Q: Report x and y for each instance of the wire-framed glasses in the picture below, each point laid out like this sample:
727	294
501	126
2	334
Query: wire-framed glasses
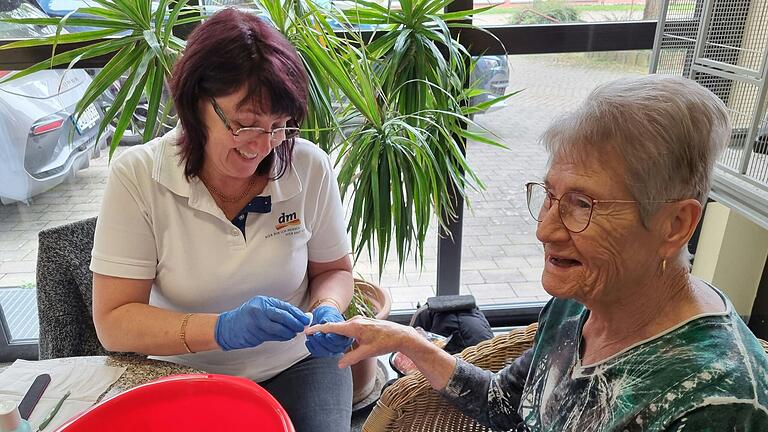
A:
574	208
247	134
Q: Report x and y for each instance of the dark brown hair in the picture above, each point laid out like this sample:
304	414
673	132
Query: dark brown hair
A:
229	51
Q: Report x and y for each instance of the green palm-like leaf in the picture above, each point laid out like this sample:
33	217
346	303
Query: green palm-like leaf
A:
85	52
111	72
73	21
154	97
143	54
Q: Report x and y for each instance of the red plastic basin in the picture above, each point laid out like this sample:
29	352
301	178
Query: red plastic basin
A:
198	402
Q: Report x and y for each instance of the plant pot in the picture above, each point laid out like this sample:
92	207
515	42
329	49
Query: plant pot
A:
364	372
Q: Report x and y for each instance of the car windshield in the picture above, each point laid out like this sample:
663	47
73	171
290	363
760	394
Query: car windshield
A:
23	31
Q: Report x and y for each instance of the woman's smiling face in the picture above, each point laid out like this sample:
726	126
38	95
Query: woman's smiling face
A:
227	157
614	254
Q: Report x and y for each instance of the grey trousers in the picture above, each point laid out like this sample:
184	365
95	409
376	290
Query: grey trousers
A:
316	394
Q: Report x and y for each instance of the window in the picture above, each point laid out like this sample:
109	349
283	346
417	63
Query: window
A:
77	193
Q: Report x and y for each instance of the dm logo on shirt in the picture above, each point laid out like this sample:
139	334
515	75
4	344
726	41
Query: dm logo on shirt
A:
286	220
288	224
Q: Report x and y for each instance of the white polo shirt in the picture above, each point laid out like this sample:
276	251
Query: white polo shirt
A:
154	224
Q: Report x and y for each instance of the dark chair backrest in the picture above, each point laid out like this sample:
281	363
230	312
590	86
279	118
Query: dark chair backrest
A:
64	291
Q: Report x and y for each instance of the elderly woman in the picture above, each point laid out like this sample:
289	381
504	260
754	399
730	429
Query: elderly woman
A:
631	341
214	239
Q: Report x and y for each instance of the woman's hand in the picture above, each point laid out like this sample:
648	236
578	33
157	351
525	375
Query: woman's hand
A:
326	345
376	337
259	320
373	337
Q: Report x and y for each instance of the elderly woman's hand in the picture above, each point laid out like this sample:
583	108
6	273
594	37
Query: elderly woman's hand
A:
373	337
259	320
326	345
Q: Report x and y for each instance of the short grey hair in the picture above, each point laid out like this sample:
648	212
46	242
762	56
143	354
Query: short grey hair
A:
669	131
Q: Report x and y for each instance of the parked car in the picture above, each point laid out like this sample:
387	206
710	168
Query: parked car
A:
491	74
41	142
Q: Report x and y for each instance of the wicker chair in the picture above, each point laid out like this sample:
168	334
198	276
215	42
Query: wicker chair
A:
411	405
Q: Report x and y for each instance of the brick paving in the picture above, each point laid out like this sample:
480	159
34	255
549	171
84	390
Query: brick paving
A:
501	258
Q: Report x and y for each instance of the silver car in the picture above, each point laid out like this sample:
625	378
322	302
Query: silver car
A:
41	142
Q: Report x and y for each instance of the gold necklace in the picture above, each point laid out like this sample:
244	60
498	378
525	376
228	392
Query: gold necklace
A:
230	199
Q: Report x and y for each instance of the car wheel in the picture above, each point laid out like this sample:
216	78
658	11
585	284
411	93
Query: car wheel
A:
134	133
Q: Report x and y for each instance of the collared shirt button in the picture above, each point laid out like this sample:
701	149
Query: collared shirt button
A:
235	232
241	217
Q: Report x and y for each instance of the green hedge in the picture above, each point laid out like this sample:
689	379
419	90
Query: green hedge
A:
545	12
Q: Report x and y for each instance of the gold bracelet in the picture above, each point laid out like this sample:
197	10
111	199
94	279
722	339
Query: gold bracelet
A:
183	332
328	300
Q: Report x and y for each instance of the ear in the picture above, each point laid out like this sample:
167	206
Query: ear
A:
202	105
679	220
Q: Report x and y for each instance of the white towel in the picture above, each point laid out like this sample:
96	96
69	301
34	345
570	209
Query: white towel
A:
85	379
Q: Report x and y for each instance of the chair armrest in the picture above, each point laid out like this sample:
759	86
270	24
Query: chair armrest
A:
410	404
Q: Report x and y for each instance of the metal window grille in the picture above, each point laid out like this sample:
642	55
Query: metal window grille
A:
735	36
723	45
675	46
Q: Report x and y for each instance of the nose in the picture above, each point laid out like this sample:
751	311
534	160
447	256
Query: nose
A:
551	228
261	144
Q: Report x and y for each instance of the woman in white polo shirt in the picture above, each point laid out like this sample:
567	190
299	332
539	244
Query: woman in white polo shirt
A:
213	239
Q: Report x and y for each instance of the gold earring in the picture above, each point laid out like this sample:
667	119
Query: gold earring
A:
663	265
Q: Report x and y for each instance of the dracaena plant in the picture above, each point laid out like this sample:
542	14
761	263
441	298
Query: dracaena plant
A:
139	34
407	94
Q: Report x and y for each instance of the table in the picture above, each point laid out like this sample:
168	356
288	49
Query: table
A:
138	370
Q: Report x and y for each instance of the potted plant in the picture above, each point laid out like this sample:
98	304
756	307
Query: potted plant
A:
371	301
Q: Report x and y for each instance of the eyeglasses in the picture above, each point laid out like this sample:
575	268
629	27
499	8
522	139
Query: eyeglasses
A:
574	208
247	134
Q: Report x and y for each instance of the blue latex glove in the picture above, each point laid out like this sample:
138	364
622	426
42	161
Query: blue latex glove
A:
326	345
259	320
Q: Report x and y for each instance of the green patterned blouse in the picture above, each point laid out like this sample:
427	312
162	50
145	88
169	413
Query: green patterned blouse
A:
706	374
